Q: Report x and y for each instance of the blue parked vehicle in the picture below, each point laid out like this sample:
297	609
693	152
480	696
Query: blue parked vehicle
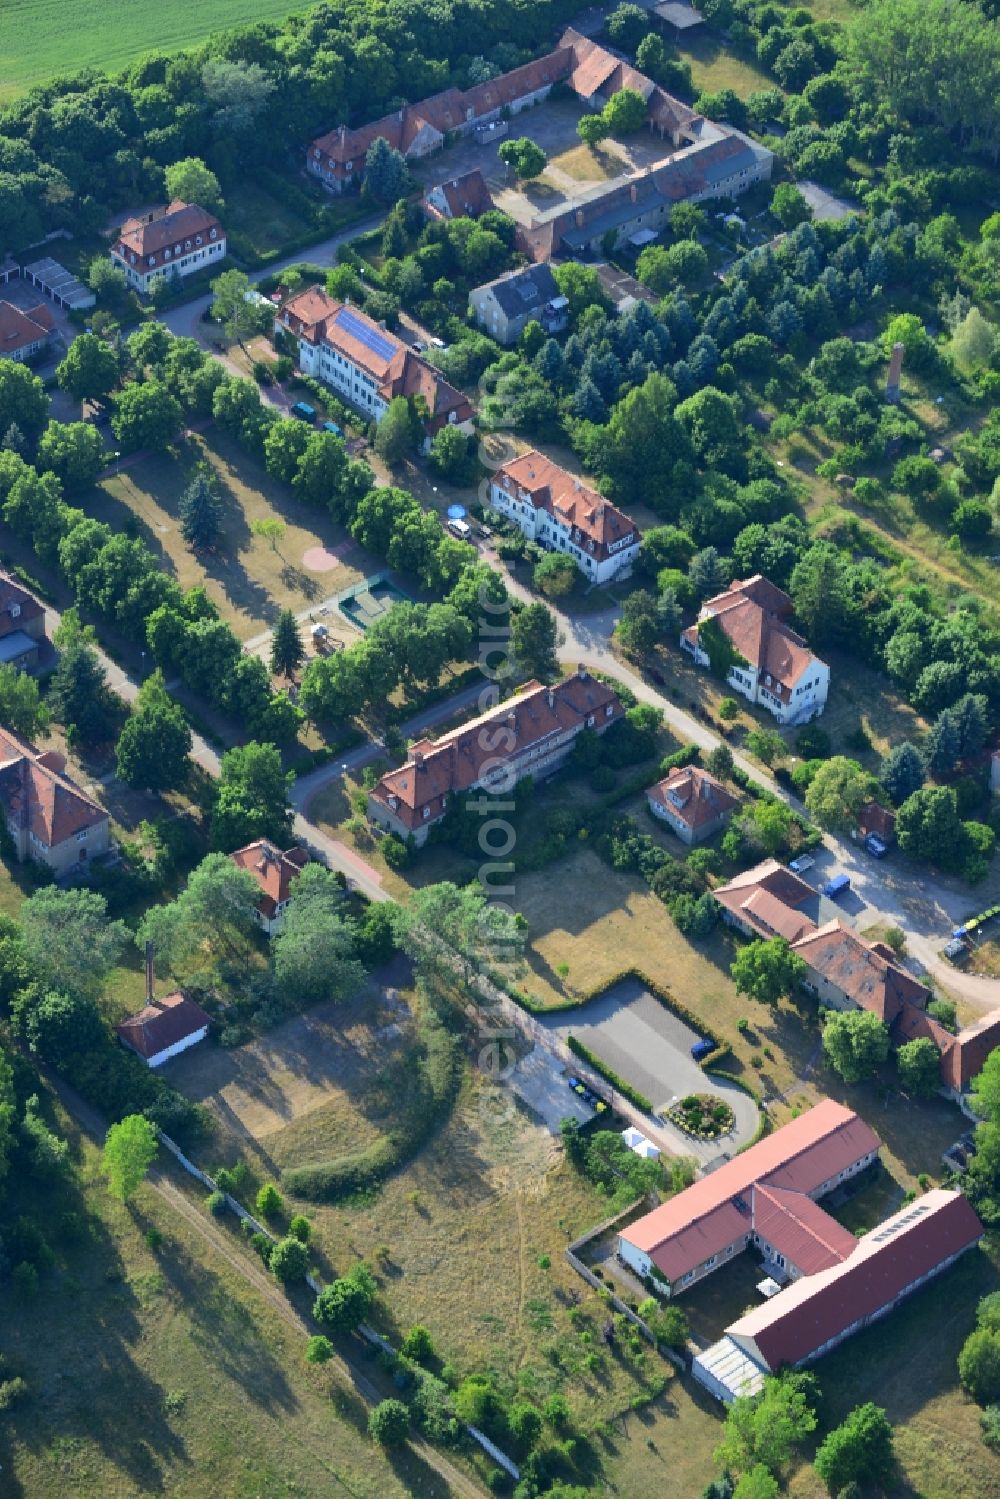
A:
836	886
332	427
701	1049
874	845
304	411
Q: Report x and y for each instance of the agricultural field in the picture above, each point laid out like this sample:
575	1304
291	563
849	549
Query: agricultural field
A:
161	1371
250	578
43	39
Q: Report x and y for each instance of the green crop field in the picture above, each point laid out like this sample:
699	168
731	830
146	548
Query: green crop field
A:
43	38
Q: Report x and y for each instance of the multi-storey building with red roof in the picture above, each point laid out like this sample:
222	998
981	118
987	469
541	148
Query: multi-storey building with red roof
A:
47	815
528	735
365	364
174	240
773	665
561	512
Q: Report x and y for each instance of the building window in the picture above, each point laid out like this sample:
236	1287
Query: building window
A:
81	835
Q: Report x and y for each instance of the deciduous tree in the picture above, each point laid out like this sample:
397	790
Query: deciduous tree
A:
855	1043
767	969
314	950
89	369
192	181
838	791
68	941
129	1151
859	1450
155	741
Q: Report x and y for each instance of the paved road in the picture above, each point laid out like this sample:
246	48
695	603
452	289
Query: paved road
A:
651	1048
127	687
185	321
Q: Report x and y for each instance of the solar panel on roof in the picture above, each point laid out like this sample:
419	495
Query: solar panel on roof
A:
373	338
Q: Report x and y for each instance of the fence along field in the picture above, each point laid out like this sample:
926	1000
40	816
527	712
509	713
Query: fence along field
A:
43	39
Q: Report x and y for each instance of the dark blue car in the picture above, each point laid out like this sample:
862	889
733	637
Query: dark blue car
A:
701	1049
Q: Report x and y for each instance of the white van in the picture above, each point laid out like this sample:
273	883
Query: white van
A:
461	529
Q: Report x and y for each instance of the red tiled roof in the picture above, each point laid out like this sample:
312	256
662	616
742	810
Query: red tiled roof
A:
908	1246
162	1024
693	795
19	329
178	222
800	1157
467	197
454	763
967	1056
40	797
766	897
751	614
860	970
878	820
567	499
13	596
799	1229
274	871
318	318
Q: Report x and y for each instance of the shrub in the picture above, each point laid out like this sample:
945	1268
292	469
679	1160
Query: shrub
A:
418	1345
289	1260
728	709
389	1423
153	1238
215	1202
319	1350
300	1228
11	1391
269	1201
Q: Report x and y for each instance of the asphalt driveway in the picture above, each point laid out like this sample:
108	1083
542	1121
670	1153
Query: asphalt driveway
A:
650	1048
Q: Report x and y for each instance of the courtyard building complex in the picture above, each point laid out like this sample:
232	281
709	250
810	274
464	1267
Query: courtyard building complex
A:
705	160
365	365
529	735
772	665
556	509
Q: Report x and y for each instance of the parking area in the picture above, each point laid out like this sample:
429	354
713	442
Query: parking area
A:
541	1082
650	1047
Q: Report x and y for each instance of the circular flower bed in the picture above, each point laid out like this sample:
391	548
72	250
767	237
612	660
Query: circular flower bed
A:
703	1116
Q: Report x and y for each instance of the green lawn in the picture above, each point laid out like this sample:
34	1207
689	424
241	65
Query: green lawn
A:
45	38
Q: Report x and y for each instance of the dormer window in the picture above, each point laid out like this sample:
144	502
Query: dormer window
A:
15	611
131	260
166	254
197	239
609	710
213	233
426	813
317	155
590	721
152	260
187	244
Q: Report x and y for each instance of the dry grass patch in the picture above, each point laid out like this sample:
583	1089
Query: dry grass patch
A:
164	1372
587	163
715	67
249	579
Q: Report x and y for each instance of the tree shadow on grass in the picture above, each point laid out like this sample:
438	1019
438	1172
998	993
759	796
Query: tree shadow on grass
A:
73	1345
227	1332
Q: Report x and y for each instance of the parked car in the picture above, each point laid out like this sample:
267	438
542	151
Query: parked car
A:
418	346
836	886
874	845
701	1049
303	411
332	427
461	529
802	863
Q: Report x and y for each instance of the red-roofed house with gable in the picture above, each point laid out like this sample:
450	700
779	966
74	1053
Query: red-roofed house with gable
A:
766	1196
164	1028
692	803
777	669
365	364
24	334
529	734
22	625
47	815
175	240
275	873
556	509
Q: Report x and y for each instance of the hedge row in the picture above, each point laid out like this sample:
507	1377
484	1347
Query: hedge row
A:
609	1075
438	1074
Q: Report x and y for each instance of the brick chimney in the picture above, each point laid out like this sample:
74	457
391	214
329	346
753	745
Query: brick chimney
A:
149	973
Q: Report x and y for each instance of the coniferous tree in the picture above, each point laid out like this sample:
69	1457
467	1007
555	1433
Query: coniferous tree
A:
287	651
199	512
